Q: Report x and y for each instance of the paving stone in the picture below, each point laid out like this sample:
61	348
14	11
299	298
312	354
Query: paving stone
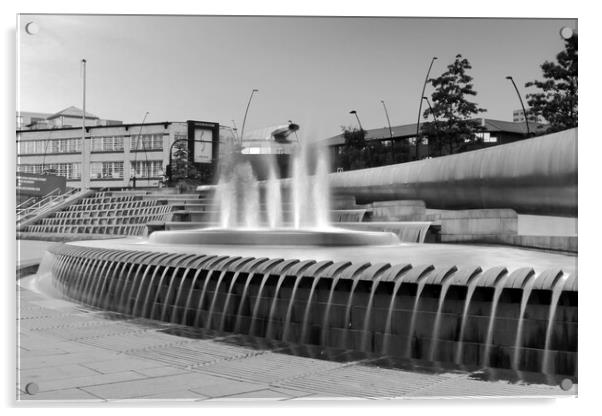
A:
156	385
137	362
181	395
96	380
46	374
118	364
261	395
228	387
163	370
63	359
66	395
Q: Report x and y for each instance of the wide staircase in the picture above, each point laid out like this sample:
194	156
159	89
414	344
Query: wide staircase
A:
108	214
101	214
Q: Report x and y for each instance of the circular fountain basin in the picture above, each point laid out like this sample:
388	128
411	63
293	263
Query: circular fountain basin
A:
275	237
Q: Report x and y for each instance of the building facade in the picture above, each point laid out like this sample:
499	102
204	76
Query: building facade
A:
68	117
400	141
519	117
113	155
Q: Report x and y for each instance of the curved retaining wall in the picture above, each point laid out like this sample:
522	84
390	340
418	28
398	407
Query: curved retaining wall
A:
537	176
468	316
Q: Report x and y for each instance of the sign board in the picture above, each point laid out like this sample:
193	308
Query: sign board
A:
34	184
203	146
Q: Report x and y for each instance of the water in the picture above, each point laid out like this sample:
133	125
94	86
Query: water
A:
271	316
289	310
243	298
273	197
519	330
243	202
305	323
398	281
437	324
199	308
460	347
257	303
326	322
412	325
557	291
213	300
376	280
492	313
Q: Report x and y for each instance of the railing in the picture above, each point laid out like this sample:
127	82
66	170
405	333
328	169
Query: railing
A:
27	203
48	197
48	202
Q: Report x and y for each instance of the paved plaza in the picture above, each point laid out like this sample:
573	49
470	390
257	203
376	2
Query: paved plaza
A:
77	354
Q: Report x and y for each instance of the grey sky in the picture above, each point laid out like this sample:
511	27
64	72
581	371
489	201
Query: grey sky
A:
311	70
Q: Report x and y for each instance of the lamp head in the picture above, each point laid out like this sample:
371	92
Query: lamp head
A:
353	112
509	77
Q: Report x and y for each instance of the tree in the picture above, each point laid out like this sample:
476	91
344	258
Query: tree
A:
557	101
352	156
456	126
183	171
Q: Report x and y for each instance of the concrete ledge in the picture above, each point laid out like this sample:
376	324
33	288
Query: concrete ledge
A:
560	243
479	222
554	243
403	210
64	237
27	268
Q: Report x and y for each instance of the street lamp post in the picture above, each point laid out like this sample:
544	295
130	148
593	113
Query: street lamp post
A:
235	130
388	121
242	132
521	104
357	117
420	105
434	117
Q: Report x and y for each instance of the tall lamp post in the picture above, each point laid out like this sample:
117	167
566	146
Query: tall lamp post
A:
235	130
434	115
420	105
388	121
242	131
358	119
521	104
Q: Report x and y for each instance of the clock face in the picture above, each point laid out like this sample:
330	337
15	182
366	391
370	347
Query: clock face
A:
566	32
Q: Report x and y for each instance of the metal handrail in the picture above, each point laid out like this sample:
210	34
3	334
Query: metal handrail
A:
41	202
28	202
46	203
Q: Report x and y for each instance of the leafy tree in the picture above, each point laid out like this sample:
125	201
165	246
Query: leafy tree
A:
183	171
456	126
352	154
557	101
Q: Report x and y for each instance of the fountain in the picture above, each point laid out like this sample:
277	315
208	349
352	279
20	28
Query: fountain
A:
276	268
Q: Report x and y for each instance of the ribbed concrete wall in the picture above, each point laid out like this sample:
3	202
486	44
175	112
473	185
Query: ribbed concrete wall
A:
537	176
423	312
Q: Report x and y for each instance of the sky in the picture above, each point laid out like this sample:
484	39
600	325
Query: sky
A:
312	70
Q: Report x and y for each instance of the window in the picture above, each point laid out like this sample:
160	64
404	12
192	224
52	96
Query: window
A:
487	137
71	171
107	144
146	142
50	146
144	169
106	170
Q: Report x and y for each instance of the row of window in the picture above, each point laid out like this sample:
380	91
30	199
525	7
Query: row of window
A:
99	144
49	146
68	170
98	170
